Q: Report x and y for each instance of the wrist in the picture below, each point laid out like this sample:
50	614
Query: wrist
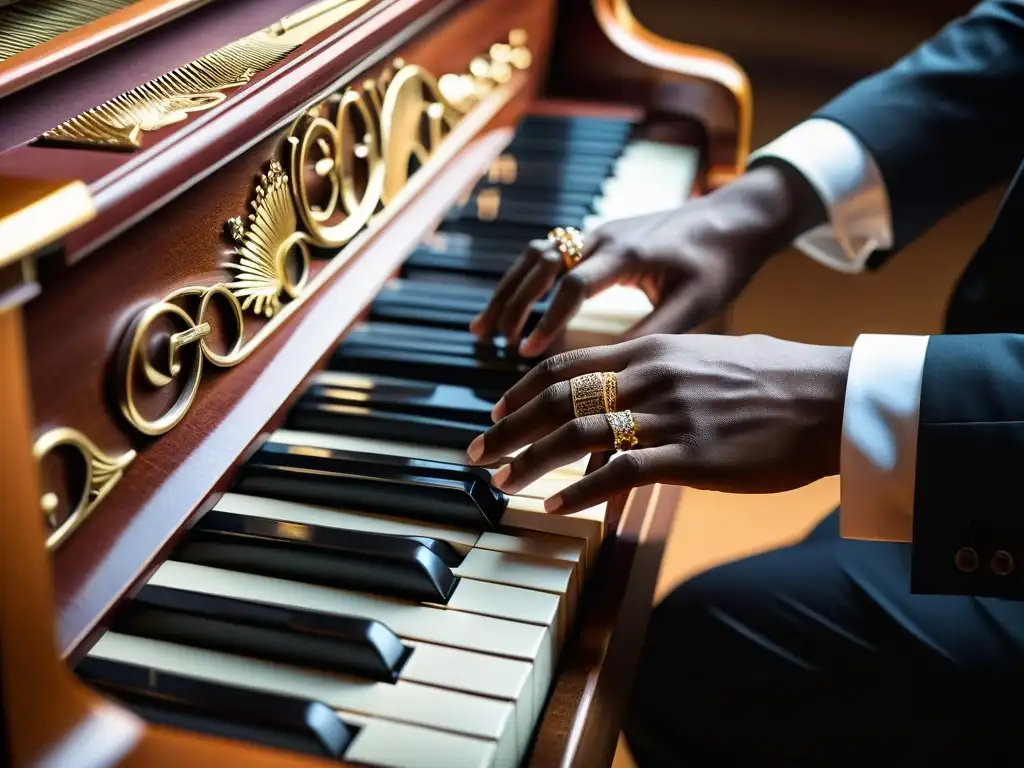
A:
779	203
827	399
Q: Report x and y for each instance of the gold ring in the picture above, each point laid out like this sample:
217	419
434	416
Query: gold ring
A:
611	392
569	243
587	394
623	429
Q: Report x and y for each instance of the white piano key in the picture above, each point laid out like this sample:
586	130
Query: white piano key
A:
532	643
402	701
512	603
388	744
475	673
552	576
529	515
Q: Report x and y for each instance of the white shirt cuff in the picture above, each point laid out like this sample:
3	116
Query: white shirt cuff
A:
879	453
848	181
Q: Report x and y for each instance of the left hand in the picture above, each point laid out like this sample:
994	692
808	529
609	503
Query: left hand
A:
741	414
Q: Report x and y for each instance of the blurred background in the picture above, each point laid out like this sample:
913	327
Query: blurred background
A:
798	55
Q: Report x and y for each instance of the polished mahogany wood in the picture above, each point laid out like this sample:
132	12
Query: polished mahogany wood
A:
603	52
70	48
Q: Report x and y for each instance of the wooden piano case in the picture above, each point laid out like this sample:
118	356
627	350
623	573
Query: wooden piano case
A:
119	261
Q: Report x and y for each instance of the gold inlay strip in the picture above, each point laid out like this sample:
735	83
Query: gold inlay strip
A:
29	23
122	122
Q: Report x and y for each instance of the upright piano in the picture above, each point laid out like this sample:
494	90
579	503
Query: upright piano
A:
240	244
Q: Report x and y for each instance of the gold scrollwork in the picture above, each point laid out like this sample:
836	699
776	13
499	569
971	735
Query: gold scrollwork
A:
347	159
102	473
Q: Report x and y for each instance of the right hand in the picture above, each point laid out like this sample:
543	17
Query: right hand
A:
691	262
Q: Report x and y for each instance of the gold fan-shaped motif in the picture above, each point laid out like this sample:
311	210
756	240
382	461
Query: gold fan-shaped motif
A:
262	272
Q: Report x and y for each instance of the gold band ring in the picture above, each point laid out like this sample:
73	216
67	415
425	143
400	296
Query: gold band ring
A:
569	243
593	393
623	429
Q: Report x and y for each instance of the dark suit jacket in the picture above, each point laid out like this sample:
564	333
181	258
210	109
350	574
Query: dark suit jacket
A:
945	124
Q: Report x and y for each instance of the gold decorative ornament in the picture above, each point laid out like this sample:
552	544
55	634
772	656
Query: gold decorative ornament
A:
101	474
122	122
361	145
265	246
587	394
569	242
623	426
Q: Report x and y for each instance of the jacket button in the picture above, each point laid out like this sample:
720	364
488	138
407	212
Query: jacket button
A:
1001	563
966	560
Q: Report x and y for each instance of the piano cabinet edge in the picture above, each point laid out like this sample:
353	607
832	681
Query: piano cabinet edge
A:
584	713
70	48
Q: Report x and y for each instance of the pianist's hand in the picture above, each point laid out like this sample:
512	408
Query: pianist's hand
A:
741	414
691	262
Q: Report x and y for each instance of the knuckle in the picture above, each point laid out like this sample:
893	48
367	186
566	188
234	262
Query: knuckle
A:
632	465
574	283
554	397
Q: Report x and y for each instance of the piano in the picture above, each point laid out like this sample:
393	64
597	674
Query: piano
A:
240	243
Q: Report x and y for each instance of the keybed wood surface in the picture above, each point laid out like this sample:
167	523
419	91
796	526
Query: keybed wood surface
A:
58	350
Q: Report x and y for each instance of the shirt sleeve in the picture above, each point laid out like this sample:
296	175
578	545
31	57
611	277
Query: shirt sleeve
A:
878	459
850	185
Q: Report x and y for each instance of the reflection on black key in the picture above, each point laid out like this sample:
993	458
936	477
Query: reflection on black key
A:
433	491
441	401
490	376
343	644
283	722
313	414
333	557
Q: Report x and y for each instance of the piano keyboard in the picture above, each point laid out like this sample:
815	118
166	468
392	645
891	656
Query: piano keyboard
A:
361	593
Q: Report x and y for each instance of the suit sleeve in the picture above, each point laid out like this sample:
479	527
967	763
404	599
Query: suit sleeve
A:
968	523
942	124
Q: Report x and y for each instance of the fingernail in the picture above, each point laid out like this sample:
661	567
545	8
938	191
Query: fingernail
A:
476	448
529	346
553	504
475	322
498	411
501	476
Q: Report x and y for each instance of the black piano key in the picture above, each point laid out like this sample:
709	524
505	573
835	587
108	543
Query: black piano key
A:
313	415
313	554
491	377
269	719
432	491
521	212
512	233
419	398
561	125
439	341
342	644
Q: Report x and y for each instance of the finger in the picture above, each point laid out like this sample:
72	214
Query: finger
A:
583	281
679	312
541	416
485	323
571	441
632	469
615	357
532	286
